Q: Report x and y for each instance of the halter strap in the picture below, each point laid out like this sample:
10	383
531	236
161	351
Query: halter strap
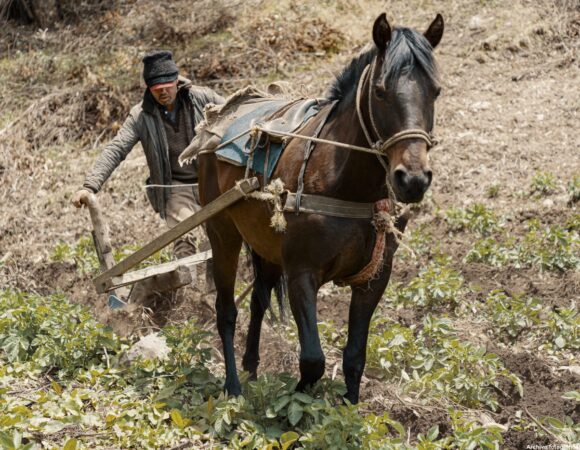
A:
383	145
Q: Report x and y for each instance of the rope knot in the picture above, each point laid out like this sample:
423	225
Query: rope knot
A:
383	221
255	130
273	194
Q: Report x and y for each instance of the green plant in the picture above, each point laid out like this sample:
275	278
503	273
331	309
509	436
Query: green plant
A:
493	190
513	316
84	255
564	328
566	431
543	184
574	189
417	242
469	434
436	286
433	361
54	333
497	254
549	248
477	218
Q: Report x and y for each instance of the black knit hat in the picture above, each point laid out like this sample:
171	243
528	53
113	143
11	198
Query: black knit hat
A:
159	67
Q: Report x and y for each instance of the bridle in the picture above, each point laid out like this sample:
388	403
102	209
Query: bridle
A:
382	145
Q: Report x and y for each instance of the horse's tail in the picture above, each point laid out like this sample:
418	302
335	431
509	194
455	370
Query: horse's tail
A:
263	285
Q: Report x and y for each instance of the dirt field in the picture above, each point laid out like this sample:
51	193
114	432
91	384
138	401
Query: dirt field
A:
507	124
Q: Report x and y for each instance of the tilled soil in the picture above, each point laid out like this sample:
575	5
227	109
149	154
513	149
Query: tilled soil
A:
509	110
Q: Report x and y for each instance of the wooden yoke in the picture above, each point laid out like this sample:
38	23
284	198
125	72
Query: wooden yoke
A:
111	277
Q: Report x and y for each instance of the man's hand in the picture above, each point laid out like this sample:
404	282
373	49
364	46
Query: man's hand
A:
80	197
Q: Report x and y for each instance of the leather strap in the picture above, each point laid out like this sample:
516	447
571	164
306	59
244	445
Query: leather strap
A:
329	206
307	152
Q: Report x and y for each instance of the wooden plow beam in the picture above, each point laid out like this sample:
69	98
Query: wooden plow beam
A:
116	275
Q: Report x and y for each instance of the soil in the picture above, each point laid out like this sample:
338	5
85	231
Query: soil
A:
509	110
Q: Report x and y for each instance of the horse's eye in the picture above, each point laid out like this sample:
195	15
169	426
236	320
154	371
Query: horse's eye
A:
380	92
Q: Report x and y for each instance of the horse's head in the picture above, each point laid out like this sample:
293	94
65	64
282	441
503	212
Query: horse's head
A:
402	92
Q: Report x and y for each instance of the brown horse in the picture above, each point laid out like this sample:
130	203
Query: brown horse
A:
398	95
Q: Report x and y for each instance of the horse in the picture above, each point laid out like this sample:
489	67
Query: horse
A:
385	95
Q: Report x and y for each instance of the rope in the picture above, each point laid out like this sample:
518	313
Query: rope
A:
147	186
358	108
273	194
320	140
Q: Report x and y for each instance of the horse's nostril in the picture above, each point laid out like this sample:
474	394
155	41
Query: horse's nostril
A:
429	174
400	176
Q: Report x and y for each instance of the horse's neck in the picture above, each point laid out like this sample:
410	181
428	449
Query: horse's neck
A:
358	176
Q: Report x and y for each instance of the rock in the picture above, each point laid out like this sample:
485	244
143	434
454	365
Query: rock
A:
476	23
574	370
487	421
548	203
152	346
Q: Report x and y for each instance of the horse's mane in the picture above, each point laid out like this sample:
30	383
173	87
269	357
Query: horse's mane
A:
407	50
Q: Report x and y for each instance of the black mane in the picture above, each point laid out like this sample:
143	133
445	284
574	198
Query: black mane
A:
406	50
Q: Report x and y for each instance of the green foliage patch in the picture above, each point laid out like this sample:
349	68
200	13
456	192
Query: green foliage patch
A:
476	218
65	383
547	247
434	362
516	318
56	335
84	255
437	286
574	189
543	184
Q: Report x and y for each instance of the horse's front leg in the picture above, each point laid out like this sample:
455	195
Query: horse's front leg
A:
362	306
302	291
363	303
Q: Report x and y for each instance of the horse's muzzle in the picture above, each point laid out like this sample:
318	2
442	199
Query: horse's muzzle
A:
410	187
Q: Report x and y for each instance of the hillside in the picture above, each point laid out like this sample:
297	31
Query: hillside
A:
478	335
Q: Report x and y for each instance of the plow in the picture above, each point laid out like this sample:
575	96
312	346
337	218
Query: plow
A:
115	278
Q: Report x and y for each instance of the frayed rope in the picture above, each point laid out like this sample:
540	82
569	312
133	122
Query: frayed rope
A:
272	194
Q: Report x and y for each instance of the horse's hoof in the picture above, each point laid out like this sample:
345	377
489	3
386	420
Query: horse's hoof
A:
253	376
352	398
302	385
233	389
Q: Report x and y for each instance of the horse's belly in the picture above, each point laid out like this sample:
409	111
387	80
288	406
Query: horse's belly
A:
252	219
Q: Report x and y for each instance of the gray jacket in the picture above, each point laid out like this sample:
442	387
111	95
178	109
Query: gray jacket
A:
144	124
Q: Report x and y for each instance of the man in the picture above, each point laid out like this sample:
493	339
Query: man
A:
164	122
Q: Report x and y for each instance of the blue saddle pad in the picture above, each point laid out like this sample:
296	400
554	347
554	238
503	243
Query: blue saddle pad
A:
234	152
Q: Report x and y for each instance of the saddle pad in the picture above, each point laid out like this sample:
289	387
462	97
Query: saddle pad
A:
234	152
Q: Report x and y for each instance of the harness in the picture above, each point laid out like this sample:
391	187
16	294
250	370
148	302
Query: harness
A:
383	213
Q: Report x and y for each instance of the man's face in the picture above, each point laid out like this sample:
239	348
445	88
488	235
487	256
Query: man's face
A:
165	95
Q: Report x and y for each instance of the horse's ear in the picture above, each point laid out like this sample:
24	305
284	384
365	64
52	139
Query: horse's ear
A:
435	31
381	32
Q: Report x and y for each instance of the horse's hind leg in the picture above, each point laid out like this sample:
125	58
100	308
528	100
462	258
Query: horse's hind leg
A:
226	243
267	276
